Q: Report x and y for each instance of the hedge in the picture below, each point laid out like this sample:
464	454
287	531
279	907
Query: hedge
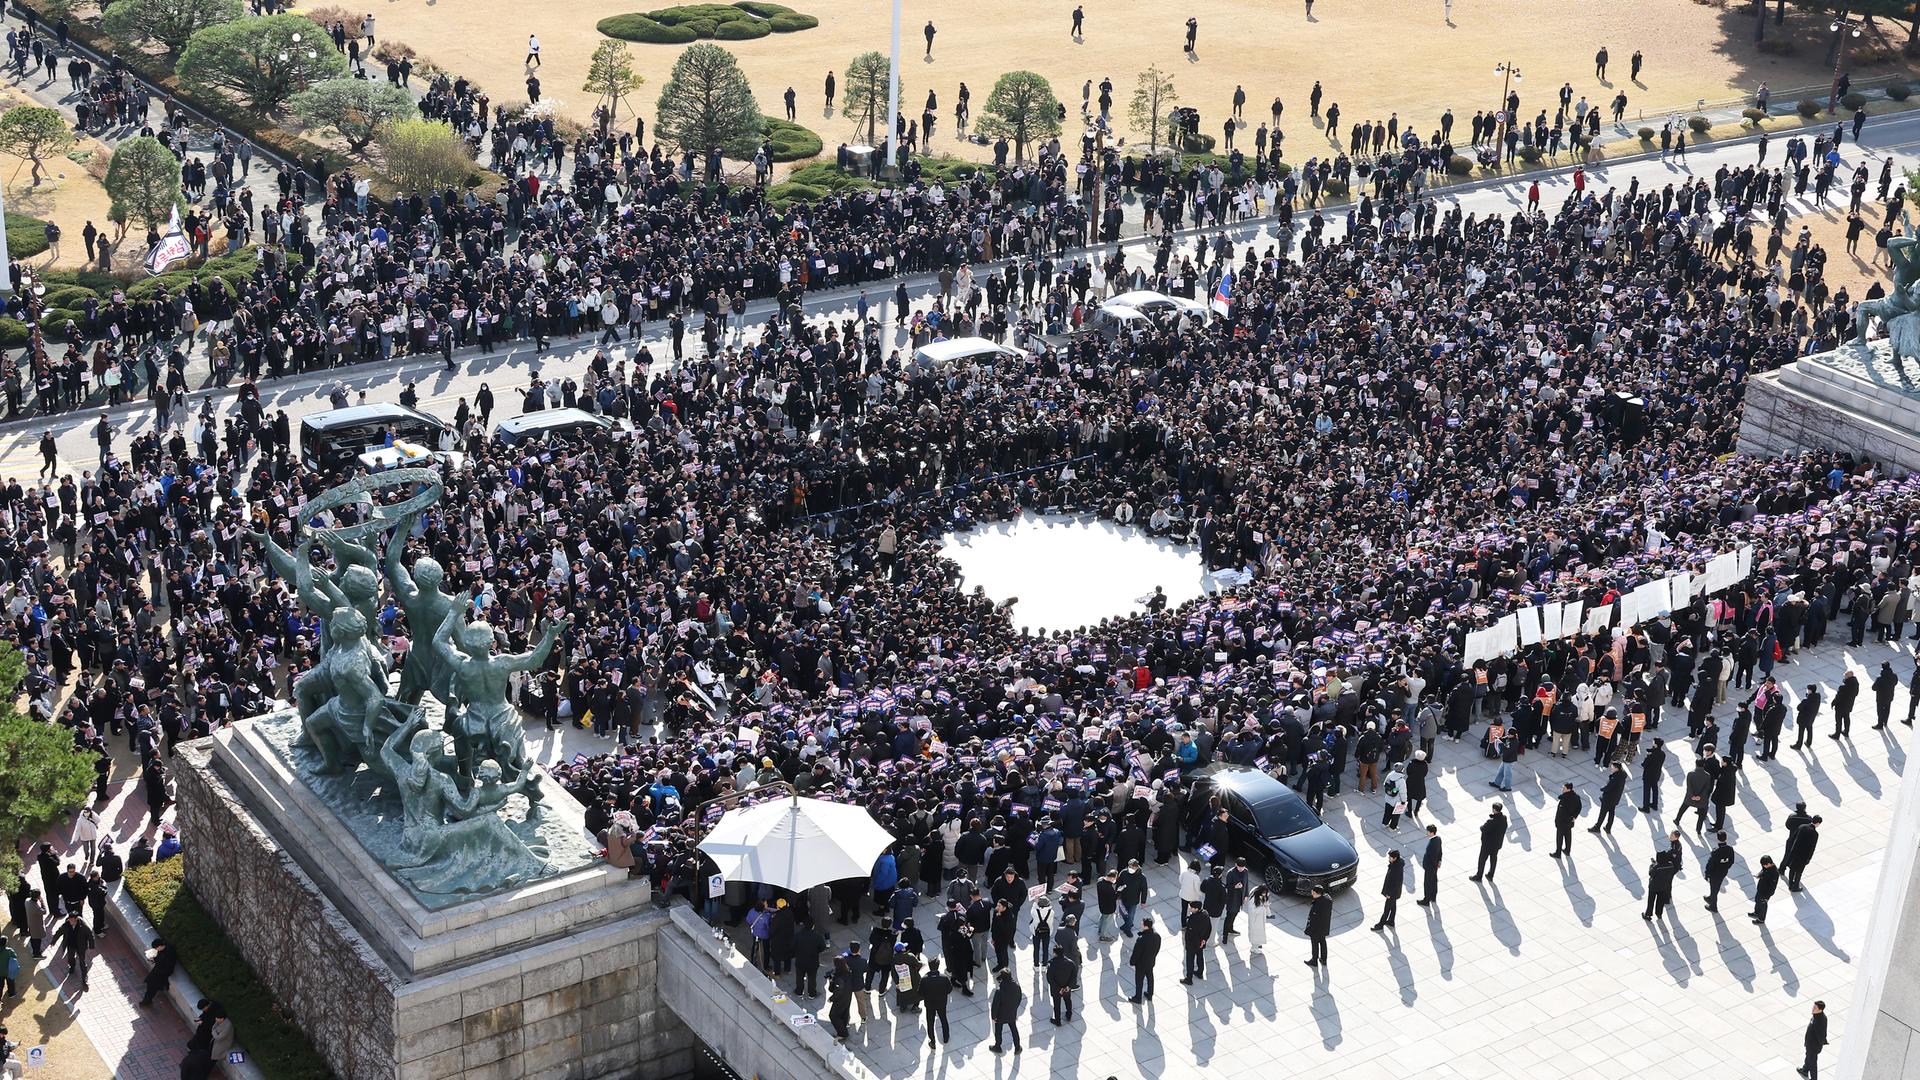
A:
741	29
1699	124
1646	134
272	1042
791	142
781	196
1899	91
1459	165
642	29
1807	107
1755	116
685	23
1854	99
26	235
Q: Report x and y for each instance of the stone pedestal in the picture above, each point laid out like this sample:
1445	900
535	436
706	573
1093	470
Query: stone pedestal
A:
1850	399
552	979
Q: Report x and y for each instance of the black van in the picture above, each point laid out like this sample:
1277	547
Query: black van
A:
333	441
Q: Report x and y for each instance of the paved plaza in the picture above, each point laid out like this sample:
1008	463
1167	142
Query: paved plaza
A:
1548	970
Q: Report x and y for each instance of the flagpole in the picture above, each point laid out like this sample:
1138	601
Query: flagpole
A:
893	97
6	264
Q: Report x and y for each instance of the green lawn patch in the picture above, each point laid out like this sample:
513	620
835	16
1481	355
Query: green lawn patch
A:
271	1041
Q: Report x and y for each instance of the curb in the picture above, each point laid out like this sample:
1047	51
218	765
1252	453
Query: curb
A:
130	921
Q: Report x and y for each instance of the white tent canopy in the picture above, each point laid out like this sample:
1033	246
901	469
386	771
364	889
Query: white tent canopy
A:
796	843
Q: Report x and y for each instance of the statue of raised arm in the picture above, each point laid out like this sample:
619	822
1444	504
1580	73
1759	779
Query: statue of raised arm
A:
486	725
418	594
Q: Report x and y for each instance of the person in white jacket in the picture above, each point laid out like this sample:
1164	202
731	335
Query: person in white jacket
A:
1189	890
1259	907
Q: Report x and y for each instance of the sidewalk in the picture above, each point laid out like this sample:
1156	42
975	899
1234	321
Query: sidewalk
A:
132	1043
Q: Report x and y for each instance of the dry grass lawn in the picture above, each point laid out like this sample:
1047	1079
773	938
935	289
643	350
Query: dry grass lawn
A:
68	194
1375	58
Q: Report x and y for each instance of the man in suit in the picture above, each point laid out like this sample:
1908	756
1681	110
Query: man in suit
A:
1652	767
1390	889
1816	1039
1003	1008
1237	882
1719	865
807	947
1610	797
1146	949
1319	925
1194	935
1660	877
1800	849
1805	715
1430	868
1565	812
1763	887
1493	836
934	990
1062	972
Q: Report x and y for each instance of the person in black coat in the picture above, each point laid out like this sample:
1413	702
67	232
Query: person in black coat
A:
1319	925
1843	699
1666	865
1220	839
1146	949
1816	1040
840	987
1566	811
1002	929
1806	713
1416	785
1884	684
807	947
1430	868
165	962
1800	849
1493	836
1063	971
1390	890
1213	892
1726	782
1773	720
934	991
1763	888
1699	788
1194	936
1719	865
1652	768
1166	825
1004	1010
1610	796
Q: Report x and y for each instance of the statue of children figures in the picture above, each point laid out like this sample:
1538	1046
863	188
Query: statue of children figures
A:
486	725
345	727
418	594
355	586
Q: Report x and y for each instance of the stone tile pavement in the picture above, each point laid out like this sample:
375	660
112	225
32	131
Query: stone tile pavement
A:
136	1043
1548	970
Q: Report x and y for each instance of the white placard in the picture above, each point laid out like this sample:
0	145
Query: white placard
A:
1570	618
1680	591
1527	622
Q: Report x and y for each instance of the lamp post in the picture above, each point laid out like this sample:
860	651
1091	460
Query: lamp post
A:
893	98
1509	75
1845	27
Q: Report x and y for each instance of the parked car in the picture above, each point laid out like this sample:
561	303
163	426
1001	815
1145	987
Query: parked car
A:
940	355
538	425
1157	304
1281	836
333	441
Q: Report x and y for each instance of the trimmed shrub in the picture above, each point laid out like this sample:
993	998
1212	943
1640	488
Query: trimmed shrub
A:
824	175
1196	144
73	297
787	22
267	1035
741	30
1853	99
791	142
13	334
1339	188
26	235
1899	92
1528	154
1754	116
1461	164
763	8
781	196
1698	124
642	29
1646	134
1807	108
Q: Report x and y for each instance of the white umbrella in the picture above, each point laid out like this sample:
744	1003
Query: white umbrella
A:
796	843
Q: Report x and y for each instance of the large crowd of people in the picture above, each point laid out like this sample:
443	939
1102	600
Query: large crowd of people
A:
1400	432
